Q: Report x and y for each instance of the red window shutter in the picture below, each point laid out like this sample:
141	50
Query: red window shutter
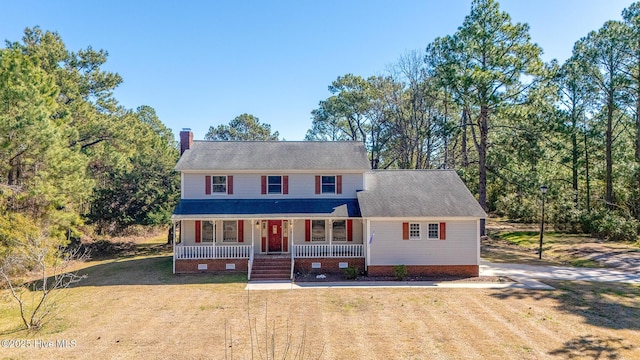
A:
264	238
338	184
264	185
207	185
443	231
198	231
349	230
405	231
307	230
240	230
317	184
285	185
229	185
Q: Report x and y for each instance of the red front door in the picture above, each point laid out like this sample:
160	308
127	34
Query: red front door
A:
274	229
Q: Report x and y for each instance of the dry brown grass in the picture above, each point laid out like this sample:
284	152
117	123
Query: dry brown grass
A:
135	308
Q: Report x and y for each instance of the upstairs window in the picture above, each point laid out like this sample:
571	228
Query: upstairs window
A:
274	185
328	184
218	184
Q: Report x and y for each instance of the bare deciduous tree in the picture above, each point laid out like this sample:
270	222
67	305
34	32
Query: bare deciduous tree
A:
34	271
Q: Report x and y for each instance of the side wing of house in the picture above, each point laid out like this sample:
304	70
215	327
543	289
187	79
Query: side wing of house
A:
425	220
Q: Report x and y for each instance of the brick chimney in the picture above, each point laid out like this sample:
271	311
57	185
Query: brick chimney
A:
186	140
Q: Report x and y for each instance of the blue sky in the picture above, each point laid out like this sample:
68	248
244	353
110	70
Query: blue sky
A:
202	63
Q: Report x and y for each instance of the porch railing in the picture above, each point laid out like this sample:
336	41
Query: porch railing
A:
326	250
213	252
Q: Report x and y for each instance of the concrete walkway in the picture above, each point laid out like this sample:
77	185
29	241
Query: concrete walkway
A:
526	277
530	274
289	285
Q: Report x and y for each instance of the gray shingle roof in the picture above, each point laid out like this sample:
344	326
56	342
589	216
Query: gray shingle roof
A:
417	193
275	155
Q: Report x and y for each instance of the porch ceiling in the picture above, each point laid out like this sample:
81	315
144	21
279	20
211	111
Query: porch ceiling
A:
261	208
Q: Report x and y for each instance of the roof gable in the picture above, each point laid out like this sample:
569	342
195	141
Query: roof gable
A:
275	155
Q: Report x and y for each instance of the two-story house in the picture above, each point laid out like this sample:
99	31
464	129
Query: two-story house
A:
272	208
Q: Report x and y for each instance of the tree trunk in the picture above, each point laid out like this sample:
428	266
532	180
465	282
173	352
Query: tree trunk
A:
608	154
574	165
482	157
637	187
463	145
588	182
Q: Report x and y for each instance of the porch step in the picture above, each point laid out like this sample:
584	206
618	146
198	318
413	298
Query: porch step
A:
271	269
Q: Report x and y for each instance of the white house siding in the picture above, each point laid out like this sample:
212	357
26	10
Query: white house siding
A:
249	186
459	248
299	233
188	233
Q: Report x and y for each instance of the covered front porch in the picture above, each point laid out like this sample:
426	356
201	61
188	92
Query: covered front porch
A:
235	238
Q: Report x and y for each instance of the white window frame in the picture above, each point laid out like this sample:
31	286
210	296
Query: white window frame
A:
213	185
334	184
269	192
203	238
430	231
324	235
224	230
414	234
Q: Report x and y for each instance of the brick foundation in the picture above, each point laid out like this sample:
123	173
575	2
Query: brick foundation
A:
327	265
213	266
427	270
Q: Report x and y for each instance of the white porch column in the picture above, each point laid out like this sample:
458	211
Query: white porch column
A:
330	238
291	242
253	228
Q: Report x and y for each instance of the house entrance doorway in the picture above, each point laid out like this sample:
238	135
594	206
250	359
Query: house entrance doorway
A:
274	229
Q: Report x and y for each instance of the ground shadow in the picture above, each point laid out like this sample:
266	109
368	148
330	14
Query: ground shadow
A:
592	347
606	305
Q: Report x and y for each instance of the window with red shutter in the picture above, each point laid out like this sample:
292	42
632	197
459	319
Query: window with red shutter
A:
198	231
229	184
285	184
207	185
318	184
264	185
338	184
349	230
